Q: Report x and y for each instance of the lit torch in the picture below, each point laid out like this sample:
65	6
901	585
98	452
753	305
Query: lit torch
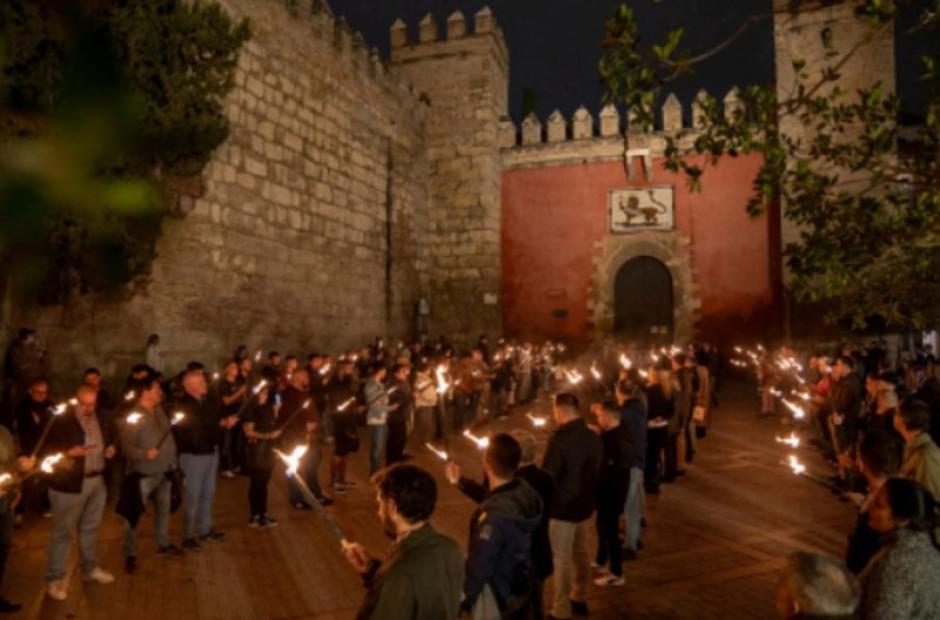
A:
793	441
537	422
481	442
798	412
625	362
57	411
441	454
292	462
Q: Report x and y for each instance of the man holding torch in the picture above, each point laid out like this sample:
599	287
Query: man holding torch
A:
423	577
77	491
150	450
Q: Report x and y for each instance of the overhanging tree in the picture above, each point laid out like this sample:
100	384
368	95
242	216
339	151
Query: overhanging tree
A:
866	203
102	103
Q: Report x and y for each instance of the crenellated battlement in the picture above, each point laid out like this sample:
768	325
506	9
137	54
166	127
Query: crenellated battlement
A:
562	141
455	37
350	47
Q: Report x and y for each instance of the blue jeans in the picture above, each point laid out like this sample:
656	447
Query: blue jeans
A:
378	433
633	509
70	511
156	488
200	471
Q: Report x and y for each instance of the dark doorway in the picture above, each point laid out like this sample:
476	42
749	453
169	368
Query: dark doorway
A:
643	301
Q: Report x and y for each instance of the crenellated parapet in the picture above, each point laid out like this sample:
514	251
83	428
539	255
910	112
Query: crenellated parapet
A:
460	65
458	35
611	136
349	47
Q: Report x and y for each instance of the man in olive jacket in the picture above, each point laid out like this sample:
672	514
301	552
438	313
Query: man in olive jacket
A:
921	455
423	577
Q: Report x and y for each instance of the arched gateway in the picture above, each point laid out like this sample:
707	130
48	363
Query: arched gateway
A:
643	301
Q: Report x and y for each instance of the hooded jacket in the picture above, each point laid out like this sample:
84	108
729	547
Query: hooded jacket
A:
500	547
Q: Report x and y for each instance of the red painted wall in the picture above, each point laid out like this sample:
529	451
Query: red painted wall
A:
553	216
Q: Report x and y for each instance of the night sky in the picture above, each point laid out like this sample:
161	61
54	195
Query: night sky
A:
554	45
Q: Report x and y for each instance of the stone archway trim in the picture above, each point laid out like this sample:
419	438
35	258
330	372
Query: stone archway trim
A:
671	249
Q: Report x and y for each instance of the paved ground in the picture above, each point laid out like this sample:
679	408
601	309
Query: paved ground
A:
714	544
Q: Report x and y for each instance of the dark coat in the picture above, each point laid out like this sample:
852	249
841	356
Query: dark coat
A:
500	544
66	433
573	459
544	485
633	421
421	580
199	432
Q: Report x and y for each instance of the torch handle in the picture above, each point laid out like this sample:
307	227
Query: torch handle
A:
42	437
314	503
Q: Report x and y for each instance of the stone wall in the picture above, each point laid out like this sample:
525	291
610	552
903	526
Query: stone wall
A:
465	79
309	229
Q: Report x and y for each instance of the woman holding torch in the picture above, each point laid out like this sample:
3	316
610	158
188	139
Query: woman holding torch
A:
260	424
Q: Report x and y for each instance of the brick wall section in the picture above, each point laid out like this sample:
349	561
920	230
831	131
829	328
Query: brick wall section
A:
465	81
287	246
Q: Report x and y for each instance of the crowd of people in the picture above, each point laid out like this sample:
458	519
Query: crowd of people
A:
163	440
621	428
877	423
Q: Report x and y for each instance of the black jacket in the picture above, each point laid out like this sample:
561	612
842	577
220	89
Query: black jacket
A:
573	458
499	552
199	432
66	433
614	477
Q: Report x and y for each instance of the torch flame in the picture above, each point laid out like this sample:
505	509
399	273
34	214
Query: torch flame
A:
258	356
595	372
131	395
481	442
797	467
257	389
292	461
537	422
346	404
4	478
177	418
793	441
625	362
50	462
798	412
325	369
439	453
134	418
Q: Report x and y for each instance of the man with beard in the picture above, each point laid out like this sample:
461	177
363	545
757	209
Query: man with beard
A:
423	577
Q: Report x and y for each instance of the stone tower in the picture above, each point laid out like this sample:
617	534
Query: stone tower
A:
464	76
800	32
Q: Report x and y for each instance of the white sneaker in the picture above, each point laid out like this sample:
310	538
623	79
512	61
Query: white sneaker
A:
99	575
57	590
609	580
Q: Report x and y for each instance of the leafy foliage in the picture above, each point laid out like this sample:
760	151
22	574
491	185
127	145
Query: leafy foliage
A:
103	101
863	191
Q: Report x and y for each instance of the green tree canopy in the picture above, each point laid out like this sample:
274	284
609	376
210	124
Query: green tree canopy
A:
103	101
